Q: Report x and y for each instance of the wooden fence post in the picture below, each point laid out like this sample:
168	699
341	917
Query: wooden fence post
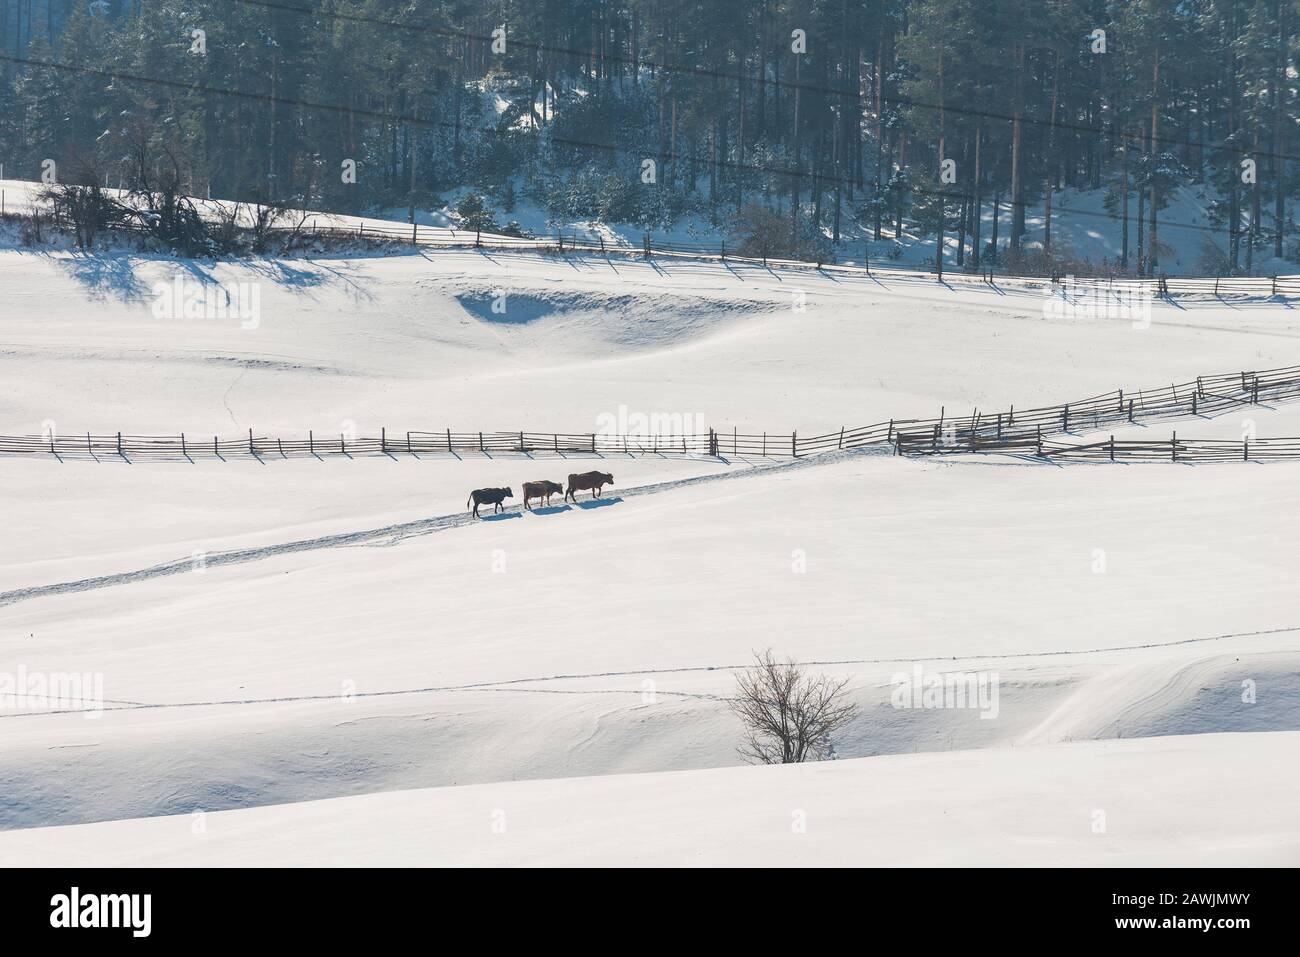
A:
311	442
383	439
449	440
841	436
184	452
1112	448
251	450
794	444
119	444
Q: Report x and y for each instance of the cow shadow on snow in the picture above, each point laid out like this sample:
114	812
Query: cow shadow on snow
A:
598	502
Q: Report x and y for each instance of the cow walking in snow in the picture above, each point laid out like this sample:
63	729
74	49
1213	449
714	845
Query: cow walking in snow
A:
591	480
540	490
489	496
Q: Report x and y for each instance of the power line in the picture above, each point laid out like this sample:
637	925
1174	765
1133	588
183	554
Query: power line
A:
445	124
664	66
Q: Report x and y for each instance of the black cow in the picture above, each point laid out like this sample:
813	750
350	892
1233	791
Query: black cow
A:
489	496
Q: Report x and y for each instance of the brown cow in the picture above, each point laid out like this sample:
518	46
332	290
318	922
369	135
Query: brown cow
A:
591	480
542	490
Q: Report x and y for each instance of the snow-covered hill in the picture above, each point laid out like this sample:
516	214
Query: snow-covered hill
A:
1101	804
296	630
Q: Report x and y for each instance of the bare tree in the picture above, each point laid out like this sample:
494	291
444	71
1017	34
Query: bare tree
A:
789	715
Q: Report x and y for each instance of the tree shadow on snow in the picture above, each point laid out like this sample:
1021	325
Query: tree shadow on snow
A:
134	277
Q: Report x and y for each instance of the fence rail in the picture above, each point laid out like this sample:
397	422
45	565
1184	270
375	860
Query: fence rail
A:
1024	431
1172	449
559	243
449	238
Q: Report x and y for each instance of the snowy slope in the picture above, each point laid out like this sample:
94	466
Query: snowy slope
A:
296	630
452	651
411	342
1155	802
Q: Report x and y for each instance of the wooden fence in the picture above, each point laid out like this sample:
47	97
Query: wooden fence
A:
448	238
435	237
1023	431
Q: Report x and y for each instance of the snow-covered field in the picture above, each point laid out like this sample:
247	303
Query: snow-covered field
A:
340	631
1168	801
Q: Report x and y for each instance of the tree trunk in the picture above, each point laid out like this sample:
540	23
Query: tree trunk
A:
1153	255
1017	196
975	220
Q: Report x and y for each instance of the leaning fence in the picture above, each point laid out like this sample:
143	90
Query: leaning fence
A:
650	247
1031	431
436	237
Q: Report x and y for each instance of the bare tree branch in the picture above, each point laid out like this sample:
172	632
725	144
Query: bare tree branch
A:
789	716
